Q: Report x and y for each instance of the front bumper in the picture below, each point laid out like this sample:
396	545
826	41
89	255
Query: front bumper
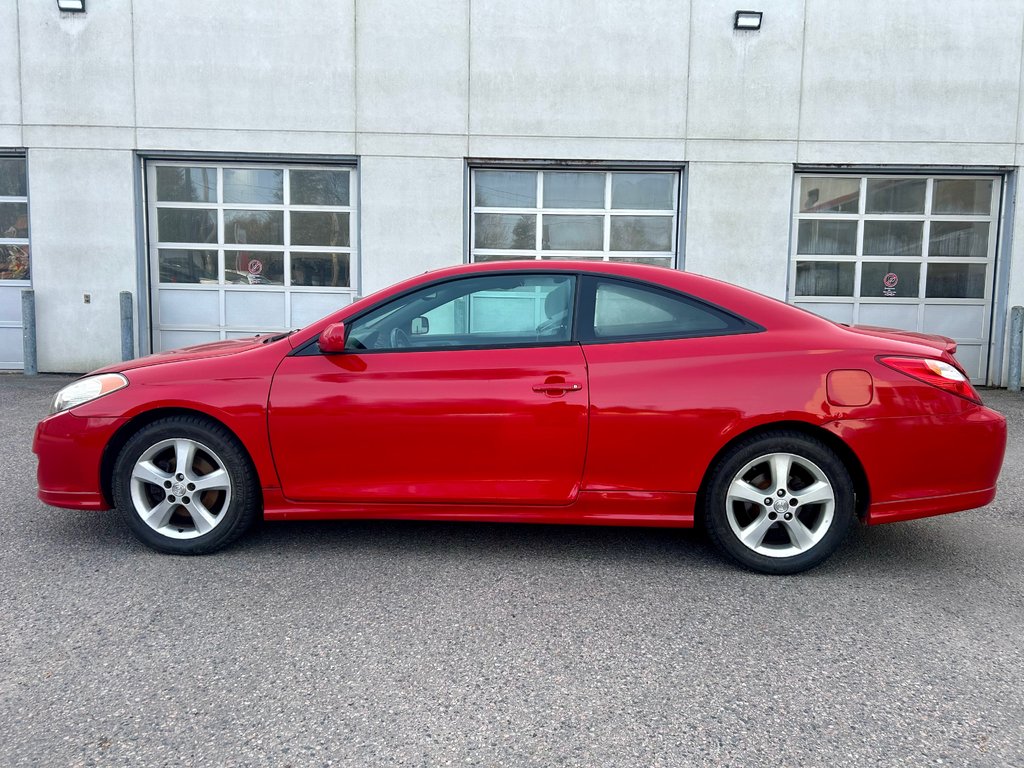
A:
70	452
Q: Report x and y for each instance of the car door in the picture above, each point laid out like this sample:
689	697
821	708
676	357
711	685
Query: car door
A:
470	390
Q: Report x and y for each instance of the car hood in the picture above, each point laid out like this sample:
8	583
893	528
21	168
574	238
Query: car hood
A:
197	352
941	343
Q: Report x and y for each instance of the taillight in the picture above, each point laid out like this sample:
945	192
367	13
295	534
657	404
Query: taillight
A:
938	373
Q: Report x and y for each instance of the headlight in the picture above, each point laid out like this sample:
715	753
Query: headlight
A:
84	390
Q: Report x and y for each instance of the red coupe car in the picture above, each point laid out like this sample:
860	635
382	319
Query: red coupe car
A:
558	392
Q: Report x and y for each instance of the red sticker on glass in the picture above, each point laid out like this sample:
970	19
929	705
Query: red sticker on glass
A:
255	267
891	280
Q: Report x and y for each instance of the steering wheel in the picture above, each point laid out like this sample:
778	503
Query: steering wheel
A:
399	339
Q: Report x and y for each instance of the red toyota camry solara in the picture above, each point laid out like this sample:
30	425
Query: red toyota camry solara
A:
559	392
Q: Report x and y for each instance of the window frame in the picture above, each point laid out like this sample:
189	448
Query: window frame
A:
586	309
20	282
311	347
539	211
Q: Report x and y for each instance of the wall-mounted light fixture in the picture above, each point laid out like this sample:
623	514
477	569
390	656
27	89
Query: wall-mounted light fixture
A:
71	6
749	21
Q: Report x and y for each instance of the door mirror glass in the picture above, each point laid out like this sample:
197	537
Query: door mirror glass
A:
420	326
332	338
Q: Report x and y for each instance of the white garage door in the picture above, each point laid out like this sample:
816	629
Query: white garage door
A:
237	249
910	252
14	258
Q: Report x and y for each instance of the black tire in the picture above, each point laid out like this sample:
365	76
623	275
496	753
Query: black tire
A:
232	500
797	536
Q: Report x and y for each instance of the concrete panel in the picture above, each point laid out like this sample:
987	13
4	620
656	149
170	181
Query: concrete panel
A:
579	68
741	151
273	142
236	64
79	136
76	68
412	65
884	71
745	85
411	217
411	144
904	153
83	242
10	66
737	223
577	148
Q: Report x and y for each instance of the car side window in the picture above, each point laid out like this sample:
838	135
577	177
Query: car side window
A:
488	311
626	310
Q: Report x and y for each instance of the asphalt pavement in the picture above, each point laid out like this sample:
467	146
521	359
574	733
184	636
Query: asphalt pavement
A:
423	644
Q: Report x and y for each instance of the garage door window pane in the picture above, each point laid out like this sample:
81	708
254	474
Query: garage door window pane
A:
896	195
574	190
893	238
506	189
890	279
966	196
641	233
187	266
643	191
319	187
824	195
14	262
499	230
13	220
824	278
573	233
186	225
320	228
959	238
184	184
321	269
253	185
12	177
956	281
254	267
255	227
828	238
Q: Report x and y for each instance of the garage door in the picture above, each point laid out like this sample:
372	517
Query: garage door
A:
237	249
14	259
910	252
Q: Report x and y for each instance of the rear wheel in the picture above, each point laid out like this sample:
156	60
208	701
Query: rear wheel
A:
185	486
779	503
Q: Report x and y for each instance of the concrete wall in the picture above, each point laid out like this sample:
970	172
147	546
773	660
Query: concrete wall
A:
413	89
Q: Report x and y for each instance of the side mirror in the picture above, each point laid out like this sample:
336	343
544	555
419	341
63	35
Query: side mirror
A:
332	338
420	326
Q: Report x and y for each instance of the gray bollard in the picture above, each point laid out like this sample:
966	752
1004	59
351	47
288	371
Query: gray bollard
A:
1016	344
28	332
127	327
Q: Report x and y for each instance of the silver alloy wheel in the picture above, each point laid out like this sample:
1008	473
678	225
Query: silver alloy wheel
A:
780	505
180	488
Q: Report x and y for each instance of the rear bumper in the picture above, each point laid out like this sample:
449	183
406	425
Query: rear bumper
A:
928	465
70	453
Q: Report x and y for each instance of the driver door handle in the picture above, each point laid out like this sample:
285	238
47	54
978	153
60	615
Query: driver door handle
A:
557	387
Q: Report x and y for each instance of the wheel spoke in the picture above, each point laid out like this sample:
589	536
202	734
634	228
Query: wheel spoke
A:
754	533
741	490
214	481
184	456
799	534
158	516
148	472
816	493
201	517
781	463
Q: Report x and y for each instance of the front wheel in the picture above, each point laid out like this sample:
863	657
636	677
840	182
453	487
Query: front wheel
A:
779	503
185	486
